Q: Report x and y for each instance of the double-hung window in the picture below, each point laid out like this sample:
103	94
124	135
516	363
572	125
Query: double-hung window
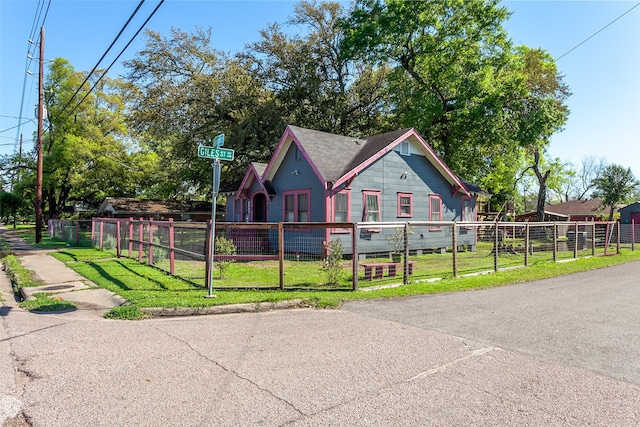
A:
296	206
435	210
405	205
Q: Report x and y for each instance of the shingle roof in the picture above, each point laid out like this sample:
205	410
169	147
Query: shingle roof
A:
132	205
578	207
329	153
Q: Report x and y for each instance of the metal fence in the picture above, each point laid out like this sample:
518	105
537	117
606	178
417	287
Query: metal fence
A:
76	232
349	256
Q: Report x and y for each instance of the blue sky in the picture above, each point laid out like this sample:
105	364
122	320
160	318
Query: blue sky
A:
603	73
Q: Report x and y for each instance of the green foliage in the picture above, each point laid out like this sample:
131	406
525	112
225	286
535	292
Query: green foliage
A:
331	266
396	240
20	277
159	254
126	312
223	246
44	302
615	185
109	243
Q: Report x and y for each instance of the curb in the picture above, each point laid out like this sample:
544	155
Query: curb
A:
226	309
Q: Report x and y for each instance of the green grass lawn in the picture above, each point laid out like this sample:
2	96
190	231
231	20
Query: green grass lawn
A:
147	286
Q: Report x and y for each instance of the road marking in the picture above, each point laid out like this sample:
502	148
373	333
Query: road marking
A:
442	368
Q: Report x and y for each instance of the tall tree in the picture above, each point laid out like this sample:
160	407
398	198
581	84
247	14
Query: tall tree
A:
540	112
451	77
314	83
614	186
85	153
183	93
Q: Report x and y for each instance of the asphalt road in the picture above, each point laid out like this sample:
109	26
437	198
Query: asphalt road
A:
558	352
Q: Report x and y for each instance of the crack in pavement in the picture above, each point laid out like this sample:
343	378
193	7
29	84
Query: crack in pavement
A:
234	373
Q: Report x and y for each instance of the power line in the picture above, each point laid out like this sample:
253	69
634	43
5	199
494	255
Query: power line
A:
114	61
595	34
99	61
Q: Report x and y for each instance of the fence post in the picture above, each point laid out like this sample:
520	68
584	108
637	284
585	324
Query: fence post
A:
495	247
281	253
354	246
62	234
593	239
633	235
101	232
527	243
172	256
454	242
130	236
140	239
208	280
555	241
77	236
93	230
150	241
405	275
617	226
118	248
575	244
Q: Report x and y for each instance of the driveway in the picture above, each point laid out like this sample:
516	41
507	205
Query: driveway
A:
559	352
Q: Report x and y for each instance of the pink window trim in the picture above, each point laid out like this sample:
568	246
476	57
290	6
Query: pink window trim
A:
365	210
400	213
432	198
295	194
333	212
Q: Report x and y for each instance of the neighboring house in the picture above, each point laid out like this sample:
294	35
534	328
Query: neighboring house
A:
320	177
128	207
630	214
573	210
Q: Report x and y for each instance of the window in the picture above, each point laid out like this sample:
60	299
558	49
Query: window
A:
405	205
296	206
296	153
435	210
404	148
341	207
466	214
371	204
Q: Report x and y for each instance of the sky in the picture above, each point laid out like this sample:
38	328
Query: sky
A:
594	42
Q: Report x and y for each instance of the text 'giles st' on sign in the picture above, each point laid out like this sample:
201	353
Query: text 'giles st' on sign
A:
215	153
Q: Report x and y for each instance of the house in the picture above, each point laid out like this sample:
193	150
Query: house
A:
573	210
129	207
316	176
630	214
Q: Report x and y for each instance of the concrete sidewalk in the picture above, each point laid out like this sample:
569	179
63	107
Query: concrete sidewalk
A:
58	278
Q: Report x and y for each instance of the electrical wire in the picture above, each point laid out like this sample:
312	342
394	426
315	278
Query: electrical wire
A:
100	60
595	34
114	61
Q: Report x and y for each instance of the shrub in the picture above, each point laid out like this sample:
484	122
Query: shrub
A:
331	266
223	246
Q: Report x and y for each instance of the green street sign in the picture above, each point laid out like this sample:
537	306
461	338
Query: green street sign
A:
215	152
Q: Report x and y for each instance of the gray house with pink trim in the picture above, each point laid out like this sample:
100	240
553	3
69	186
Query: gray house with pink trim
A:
320	177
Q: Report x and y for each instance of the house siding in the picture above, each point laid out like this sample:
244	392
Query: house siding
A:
421	180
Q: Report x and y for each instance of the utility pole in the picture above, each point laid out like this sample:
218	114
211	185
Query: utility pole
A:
38	201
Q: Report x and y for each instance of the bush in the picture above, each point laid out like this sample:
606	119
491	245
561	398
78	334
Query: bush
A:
159	254
223	246
331	266
109	243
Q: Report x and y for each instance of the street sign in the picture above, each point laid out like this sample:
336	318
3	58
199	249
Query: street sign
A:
219	140
215	153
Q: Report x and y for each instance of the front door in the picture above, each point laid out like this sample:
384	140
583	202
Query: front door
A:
259	208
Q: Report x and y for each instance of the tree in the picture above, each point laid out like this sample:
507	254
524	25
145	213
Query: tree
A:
614	186
540	112
315	85
451	77
182	93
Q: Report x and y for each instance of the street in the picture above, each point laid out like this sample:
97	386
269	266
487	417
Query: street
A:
562	351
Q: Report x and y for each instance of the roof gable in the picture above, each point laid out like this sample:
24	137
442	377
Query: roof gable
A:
336	159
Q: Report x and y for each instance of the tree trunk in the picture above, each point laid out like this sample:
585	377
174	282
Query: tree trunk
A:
542	189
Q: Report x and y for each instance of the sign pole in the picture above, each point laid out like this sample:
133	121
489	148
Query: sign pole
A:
214	195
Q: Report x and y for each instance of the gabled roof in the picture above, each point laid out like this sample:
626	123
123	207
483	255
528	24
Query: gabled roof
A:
335	159
255	172
579	207
126	205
